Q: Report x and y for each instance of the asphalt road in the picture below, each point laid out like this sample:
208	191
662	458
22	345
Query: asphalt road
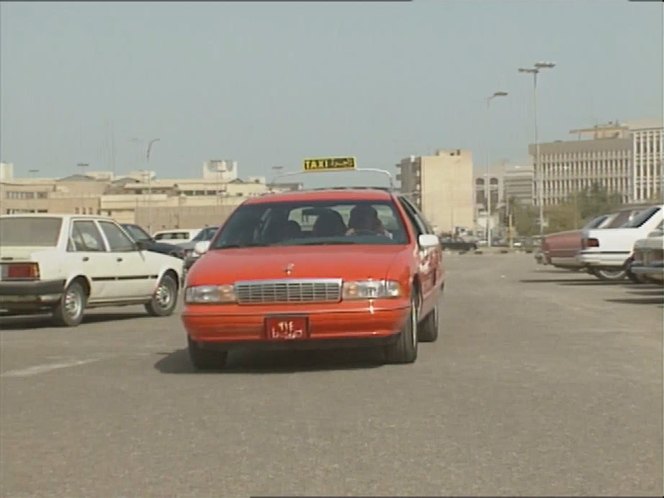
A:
543	382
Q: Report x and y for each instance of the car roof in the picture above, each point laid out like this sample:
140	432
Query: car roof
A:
54	215
325	194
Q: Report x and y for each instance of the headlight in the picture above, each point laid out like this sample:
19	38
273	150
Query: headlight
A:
371	289
210	294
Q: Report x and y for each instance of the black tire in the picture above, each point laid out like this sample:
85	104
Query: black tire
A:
610	275
428	329
404	350
69	310
165	297
203	359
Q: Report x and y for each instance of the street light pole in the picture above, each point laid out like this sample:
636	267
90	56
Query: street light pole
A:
147	163
487	181
539	173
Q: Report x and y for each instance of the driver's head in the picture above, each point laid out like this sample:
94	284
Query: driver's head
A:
363	217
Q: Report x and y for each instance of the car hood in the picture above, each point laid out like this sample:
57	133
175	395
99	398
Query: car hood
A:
348	262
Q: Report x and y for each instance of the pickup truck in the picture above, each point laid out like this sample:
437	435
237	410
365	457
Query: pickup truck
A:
605	253
64	264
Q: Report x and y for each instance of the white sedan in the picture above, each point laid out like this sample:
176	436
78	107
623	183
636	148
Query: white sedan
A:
64	264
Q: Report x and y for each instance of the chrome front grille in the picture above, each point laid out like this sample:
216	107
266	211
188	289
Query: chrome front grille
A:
288	291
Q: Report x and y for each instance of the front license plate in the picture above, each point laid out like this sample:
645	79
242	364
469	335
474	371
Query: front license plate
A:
286	328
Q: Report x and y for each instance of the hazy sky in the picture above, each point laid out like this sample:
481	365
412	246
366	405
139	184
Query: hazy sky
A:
269	83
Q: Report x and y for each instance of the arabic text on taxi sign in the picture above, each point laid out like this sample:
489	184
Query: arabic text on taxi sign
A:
329	163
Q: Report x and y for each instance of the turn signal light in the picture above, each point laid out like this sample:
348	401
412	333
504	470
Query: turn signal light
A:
21	271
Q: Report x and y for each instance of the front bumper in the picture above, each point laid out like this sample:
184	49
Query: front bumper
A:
243	326
30	295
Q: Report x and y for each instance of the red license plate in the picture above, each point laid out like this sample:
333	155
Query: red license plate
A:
286	328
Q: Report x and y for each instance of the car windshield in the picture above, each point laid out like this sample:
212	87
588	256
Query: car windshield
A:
312	223
641	218
29	231
137	233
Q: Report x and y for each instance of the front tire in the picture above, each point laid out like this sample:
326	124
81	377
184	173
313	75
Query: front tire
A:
428	330
165	298
203	359
404	350
69	311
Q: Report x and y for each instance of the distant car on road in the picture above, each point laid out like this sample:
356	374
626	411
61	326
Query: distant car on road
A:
316	269
188	248
65	264
150	244
176	236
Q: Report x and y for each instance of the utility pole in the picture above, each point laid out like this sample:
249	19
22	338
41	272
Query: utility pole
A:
487	181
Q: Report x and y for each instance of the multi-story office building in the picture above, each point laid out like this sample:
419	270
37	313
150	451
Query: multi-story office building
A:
441	186
518	184
623	158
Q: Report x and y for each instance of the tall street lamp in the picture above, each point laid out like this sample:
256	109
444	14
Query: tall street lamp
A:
538	66
147	163
487	181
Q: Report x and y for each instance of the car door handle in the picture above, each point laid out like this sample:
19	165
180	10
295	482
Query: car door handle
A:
118	259
85	258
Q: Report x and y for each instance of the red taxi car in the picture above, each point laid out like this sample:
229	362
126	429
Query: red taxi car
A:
313	269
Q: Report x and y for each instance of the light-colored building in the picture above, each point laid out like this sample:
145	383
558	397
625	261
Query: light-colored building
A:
518	184
623	158
6	171
222	170
155	203
441	186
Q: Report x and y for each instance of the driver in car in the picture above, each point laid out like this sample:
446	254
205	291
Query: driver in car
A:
364	220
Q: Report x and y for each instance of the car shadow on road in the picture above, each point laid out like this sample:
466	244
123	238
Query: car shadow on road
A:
276	362
643	300
553	280
30	322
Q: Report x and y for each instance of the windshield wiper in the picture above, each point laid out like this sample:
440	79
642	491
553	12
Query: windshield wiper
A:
324	243
240	246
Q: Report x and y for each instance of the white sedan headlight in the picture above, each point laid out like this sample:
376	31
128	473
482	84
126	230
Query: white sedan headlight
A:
204	294
371	289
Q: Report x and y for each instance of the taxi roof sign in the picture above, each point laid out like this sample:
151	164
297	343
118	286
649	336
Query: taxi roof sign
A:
330	164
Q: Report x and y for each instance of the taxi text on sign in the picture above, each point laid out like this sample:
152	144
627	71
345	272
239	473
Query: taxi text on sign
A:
329	164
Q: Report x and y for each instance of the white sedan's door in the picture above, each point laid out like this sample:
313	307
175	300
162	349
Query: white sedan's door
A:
135	278
87	254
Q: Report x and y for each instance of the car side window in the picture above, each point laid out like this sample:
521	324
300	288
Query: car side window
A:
117	240
420	216
419	227
85	237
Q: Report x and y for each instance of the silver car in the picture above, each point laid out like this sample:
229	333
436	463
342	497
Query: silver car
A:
190	256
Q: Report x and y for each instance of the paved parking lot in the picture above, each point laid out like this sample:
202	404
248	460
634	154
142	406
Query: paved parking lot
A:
543	382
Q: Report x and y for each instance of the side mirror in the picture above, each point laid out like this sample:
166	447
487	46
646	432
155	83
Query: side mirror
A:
202	247
141	245
427	240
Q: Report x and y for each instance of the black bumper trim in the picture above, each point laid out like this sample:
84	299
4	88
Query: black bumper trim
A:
312	344
31	288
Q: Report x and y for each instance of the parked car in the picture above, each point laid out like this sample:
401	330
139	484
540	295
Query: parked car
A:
65	264
647	259
188	248
605	253
561	249
176	236
150	244
316	269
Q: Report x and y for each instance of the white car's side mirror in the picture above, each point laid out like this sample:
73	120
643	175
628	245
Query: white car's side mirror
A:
428	240
202	247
